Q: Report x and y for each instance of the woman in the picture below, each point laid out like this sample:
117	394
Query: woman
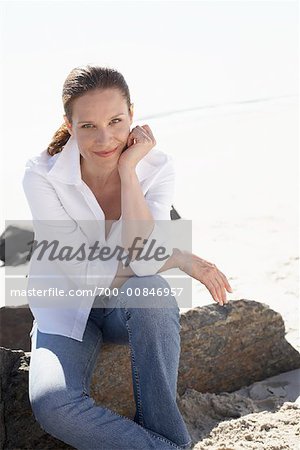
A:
94	173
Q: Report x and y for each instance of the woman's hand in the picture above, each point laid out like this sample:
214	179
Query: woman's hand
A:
140	141
207	273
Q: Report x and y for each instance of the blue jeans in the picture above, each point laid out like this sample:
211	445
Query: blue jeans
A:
61	369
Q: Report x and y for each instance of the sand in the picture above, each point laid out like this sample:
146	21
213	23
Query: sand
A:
263	416
257	431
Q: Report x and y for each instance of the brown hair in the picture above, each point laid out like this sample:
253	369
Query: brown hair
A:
79	81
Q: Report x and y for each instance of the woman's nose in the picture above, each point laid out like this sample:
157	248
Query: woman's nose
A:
103	137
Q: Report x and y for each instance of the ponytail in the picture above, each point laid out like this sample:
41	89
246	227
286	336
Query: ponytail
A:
59	139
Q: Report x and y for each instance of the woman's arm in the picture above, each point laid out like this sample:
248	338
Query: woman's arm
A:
143	215
198	268
159	200
137	217
136	207
157	205
202	270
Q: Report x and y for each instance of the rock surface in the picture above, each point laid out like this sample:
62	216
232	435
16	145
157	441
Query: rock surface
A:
222	349
18	428
15	326
15	245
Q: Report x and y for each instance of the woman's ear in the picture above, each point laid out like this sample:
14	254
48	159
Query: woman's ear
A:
131	111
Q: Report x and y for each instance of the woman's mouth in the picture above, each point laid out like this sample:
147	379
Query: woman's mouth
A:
105	154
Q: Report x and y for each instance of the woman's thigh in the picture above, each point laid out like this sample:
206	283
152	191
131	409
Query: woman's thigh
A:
144	295
113	326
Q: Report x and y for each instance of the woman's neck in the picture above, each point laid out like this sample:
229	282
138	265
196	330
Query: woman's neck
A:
99	177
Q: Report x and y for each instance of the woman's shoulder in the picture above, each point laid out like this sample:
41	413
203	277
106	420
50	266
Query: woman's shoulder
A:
157	160
154	164
158	157
41	163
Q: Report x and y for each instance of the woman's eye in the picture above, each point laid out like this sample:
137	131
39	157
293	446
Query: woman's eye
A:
86	125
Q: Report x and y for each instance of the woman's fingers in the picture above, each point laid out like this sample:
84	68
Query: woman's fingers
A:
226	282
141	133
212	289
221	284
216	285
144	130
208	274
148	129
214	274
221	289
130	140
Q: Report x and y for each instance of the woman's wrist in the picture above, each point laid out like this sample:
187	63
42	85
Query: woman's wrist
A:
126	173
183	258
179	256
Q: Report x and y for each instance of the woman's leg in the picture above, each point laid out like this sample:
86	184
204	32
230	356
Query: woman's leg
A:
152	323
59	378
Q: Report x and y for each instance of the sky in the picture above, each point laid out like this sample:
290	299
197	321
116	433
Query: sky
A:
173	55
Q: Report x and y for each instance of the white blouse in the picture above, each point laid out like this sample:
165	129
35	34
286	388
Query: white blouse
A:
67	215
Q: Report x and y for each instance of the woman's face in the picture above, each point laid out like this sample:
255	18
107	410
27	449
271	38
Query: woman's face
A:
100	123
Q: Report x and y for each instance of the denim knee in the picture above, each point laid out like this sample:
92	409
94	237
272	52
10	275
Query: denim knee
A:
150	296
150	291
51	410
43	410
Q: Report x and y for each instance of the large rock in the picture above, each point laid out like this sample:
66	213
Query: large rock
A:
15	245
222	349
18	428
15	326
